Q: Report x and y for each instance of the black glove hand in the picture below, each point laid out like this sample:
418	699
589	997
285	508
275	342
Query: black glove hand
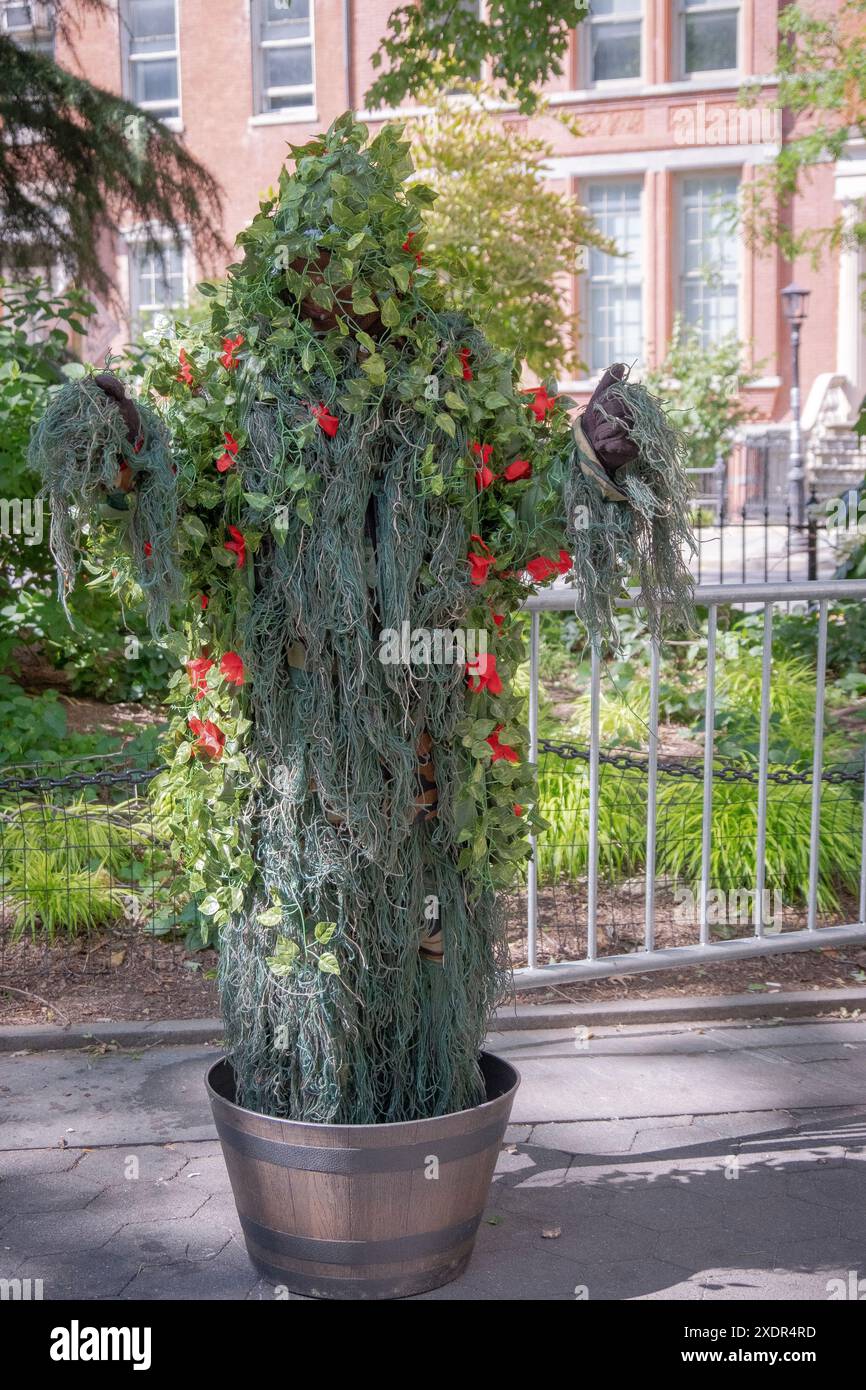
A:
115	390
605	423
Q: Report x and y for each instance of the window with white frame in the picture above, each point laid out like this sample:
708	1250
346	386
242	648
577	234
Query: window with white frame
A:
613	320
283	54
708	35
709	256
614	41
29	25
157	284
152	60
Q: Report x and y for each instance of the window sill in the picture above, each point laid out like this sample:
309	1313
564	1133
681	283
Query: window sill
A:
721	81
613	86
297	115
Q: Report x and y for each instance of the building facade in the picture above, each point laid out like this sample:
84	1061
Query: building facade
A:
663	145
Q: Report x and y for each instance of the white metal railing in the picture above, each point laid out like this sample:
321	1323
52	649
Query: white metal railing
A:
818	595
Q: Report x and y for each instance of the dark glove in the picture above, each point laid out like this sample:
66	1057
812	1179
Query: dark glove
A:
606	420
115	390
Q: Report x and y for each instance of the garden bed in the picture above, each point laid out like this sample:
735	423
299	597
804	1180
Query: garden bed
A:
123	976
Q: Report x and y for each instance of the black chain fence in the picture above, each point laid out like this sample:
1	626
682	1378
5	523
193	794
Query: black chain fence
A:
82	860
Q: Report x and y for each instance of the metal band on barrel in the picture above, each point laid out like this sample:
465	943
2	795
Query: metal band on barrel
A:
359	1252
400	1159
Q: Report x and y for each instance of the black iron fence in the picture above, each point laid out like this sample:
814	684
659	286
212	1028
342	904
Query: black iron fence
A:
748	529
82	859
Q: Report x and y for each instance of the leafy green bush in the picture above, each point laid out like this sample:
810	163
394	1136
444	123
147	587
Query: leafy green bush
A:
733	857
71	867
48	896
34	729
37	335
563	802
703	384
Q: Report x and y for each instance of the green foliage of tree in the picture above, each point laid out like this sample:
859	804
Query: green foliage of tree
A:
703	384
821	75
504	239
74	158
446	41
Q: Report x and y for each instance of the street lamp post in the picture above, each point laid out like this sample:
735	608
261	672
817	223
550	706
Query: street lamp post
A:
794	308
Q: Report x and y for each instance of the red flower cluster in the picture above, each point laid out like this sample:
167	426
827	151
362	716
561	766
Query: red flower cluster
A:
542	568
197	671
481	564
541	402
209	738
238	545
464	354
230	347
184	376
232	668
484	475
227	459
407	246
485	674
325	420
501	750
520	468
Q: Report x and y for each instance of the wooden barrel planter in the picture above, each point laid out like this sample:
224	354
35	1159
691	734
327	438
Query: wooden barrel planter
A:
362	1211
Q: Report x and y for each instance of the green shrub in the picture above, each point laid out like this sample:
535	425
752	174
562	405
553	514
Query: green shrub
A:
733	856
73	867
48	896
563	802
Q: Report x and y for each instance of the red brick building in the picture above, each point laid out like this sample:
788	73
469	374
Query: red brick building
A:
654	85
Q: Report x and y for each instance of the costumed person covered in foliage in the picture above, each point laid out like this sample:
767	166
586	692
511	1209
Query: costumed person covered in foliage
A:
335	459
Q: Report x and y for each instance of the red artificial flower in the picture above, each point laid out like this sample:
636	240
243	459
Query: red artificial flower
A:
501	750
209	738
542	568
481	564
227	459
148	549
204	602
230	346
197	671
485	674
232	667
518	810
407	246
184	376
498	618
325	420
238	545
464	354
541	402
484	475
520	468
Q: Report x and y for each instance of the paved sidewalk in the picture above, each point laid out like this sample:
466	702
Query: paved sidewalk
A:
644	1162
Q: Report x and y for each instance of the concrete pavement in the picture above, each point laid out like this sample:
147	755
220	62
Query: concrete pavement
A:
644	1162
